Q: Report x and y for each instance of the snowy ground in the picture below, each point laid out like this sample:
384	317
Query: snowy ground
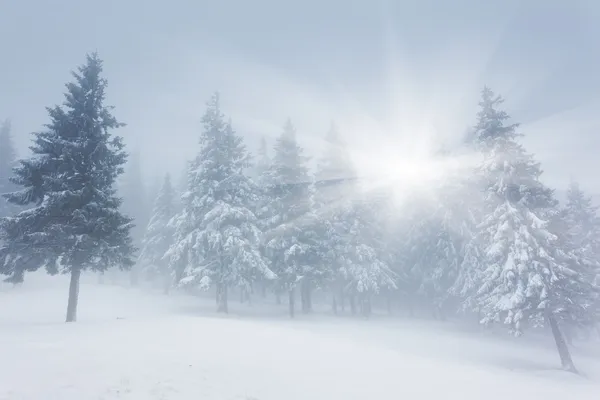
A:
130	344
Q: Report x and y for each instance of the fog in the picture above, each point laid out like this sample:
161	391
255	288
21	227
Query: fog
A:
412	270
409	73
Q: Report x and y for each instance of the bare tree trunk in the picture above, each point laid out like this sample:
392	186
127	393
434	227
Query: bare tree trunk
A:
73	295
223	306
561	346
388	302
101	277
291	302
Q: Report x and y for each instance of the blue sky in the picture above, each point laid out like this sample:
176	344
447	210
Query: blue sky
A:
396	76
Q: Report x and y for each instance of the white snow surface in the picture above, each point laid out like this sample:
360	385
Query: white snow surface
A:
138	344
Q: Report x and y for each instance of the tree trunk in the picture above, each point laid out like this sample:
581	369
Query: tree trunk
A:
365	305
561	346
342	298
73	295
278	297
388	302
334	305
353	304
291	302
101	278
223	306
305	295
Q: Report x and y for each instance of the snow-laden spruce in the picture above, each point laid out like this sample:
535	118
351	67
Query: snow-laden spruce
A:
527	275
216	235
582	224
8	159
433	257
333	196
440	226
349	258
263	161
362	264
290	237
135	204
75	223
159	237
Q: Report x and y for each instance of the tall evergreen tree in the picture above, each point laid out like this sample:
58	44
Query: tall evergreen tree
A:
263	161
290	240
75	224
8	159
136	205
159	236
582	224
441	224
217	238
335	194
527	276
364	266
134	193
434	252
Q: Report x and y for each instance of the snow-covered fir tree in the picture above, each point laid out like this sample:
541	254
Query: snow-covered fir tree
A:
152	193
582	223
159	237
134	193
363	265
335	191
217	238
263	161
527	275
434	251
8	160
441	224
135	204
260	174
291	239
75	223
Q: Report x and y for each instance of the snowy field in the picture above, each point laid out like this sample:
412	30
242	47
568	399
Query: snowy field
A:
135	344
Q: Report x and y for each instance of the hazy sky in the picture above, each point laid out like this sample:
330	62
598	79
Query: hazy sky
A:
396	76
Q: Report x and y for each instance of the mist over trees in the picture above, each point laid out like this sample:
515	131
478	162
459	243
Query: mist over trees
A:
8	160
493	243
